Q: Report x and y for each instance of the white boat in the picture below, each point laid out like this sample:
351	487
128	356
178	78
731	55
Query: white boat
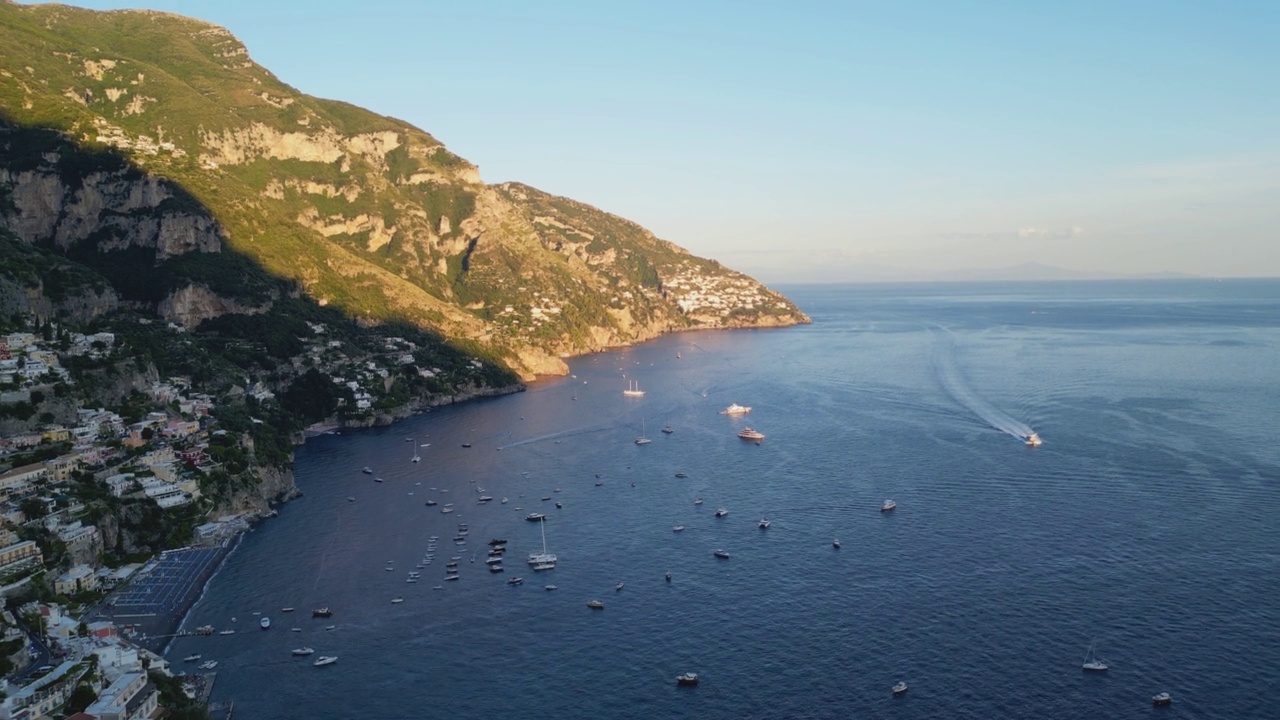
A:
721	512
265	623
736	409
900	688
721	554
618	587
888	505
644	438
667	429
697	501
397	600
1034	440
764	523
209	665
687	679
677	528
552	587
535	517
595	604
1093	663
367	470
191	658
1161	699
543	560
226	632
325	660
835	544
750	434
633	389
303	651
515	581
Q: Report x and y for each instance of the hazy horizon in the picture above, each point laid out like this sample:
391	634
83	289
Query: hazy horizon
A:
814	142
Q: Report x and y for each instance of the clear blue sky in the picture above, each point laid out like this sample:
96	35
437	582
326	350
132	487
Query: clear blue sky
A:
823	141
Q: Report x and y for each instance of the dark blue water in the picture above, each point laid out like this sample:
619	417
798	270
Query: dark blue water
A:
1146	524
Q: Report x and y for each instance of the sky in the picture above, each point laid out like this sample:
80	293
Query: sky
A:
823	142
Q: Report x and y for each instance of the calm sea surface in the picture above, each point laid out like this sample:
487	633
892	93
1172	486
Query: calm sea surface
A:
1148	524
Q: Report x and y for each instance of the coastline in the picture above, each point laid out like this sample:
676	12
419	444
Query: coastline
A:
190	602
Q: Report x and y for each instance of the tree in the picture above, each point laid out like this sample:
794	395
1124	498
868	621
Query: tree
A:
81	698
33	508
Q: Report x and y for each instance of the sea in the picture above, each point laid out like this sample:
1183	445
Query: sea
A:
1145	529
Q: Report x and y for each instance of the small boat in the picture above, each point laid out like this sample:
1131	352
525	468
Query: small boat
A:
296	629
618	587
1161	699
431	503
377	479
698	501
750	434
633	389
515	581
325	660
367	470
303	651
677	528
535	517
226	632
559	504
450	578
721	512
495	569
211	664
466	445
484	499
286	609
682	475
900	688
667	430
552	587
595	604
736	409
1093	663
330	627
721	554
397	600
888	505
495	560
504	501
191	658
642	440
446	510
668	576
350	499
1033	440
321	612
764	523
265	623
835	544
687	679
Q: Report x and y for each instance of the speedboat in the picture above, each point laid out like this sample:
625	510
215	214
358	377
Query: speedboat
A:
1161	700
325	660
687	679
552	587
888	505
736	409
697	501
721	512
750	434
721	554
618	587
677	528
764	523
191	658
514	581
303	651
900	688
265	623
321	612
367	470
595	604
432	502
1034	440
397	600
211	664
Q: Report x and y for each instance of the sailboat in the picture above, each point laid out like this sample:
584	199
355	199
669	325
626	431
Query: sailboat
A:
643	439
1092	663
633	389
543	560
416	457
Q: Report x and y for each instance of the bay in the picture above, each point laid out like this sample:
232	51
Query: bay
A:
1144	525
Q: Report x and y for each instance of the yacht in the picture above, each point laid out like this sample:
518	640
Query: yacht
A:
449	578
1161	700
191	658
226	632
888	505
303	651
325	660
721	554
494	569
286	609
687	679
535	517
496	560
667	429
749	434
265	623
1092	663
736	409
446	510
644	438
764	523
900	688
633	389
595	604
543	560
721	512
1034	440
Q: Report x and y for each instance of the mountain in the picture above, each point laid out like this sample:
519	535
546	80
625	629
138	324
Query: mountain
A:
151	148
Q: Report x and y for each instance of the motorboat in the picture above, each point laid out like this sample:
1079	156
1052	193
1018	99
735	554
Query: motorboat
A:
325	660
682	475
687	679
900	688
226	632
209	665
736	409
330	627
888	505
295	629
750	434
835	544
496	569
466	445
397	600
595	604
367	470
431	503
286	609
191	658
552	587
321	612
446	510
535	517
1161	699
265	623
721	512
350	499
618	587
668	576
697	501
559	504
377	479
515	581
303	651
721	554
449	578
1034	440
677	528
764	523
1093	663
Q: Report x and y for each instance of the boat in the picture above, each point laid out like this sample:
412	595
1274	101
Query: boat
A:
350	499
900	688
397	600
295	629
286	609
209	665
747	433
677	528
721	554
1092	663
559	504
643	439
226	632
633	389
618	587
535	517
1034	440
330	627
668	576
325	660
667	430
552	587
682	475
484	499
321	612
495	569
416	457
446	510
736	409
450	577
543	560
265	623
367	470
494	560
466	445
764	523
721	512
697	501
431	503
303	651
888	505
515	581
191	658
1161	699
687	679
377	479
595	604
835	544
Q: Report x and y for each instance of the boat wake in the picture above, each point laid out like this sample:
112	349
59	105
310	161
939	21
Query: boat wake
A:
958	388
